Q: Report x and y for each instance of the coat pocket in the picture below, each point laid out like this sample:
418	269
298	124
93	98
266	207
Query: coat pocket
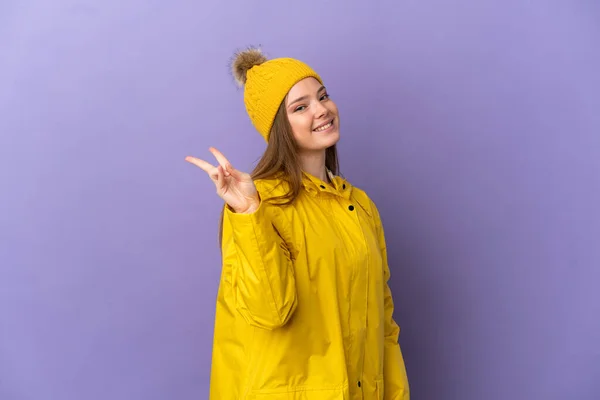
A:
325	394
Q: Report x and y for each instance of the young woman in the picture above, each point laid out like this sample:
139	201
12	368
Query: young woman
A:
304	311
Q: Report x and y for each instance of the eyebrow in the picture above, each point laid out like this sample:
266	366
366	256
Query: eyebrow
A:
305	97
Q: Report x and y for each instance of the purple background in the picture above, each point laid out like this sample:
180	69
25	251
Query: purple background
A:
474	125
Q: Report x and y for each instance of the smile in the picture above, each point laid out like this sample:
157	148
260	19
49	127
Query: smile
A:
324	127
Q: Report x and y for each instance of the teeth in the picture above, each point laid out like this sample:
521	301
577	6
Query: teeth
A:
324	127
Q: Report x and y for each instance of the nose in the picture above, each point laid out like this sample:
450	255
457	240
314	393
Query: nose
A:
320	110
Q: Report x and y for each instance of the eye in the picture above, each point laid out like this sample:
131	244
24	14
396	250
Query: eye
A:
325	96
299	108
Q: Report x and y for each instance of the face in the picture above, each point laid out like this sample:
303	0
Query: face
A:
312	115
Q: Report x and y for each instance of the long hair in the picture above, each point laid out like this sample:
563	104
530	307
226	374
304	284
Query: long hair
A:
281	160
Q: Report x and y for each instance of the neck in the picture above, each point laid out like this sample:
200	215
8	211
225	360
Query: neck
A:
314	164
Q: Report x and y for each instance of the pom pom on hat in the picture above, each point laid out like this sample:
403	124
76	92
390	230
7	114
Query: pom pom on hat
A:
244	60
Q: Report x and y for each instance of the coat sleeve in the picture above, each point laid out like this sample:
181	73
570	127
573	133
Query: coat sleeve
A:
262	274
395	384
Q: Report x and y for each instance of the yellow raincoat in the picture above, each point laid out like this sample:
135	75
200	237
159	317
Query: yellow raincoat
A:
304	311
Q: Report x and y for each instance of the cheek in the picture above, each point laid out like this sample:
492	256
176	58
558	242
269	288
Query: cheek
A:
333	108
301	126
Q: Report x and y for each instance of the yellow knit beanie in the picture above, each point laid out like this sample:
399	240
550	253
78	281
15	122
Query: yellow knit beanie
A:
266	83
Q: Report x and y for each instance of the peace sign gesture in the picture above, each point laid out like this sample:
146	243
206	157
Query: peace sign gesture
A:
235	187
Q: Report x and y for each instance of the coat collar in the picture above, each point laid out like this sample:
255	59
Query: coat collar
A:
338	186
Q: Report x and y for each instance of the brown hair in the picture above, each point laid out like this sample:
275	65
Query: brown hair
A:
280	159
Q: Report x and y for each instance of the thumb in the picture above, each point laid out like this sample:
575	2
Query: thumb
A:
238	175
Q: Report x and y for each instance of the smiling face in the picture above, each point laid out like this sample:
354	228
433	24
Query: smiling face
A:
313	116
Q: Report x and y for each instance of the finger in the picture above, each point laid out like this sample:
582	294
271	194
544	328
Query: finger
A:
227	167
207	167
220	179
214	174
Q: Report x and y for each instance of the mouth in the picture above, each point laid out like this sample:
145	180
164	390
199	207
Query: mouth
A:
323	127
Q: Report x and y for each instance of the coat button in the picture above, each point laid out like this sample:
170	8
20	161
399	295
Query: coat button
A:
351	207
358	383
322	187
344	186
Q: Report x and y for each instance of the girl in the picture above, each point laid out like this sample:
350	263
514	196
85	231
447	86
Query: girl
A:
304	310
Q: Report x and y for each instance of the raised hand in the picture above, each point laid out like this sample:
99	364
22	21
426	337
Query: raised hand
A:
236	188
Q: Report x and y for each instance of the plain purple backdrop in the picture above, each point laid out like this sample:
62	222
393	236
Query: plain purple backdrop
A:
474	125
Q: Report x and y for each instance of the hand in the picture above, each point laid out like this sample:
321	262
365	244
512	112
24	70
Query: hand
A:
236	188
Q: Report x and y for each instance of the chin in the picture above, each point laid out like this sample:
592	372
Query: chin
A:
324	142
333	139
